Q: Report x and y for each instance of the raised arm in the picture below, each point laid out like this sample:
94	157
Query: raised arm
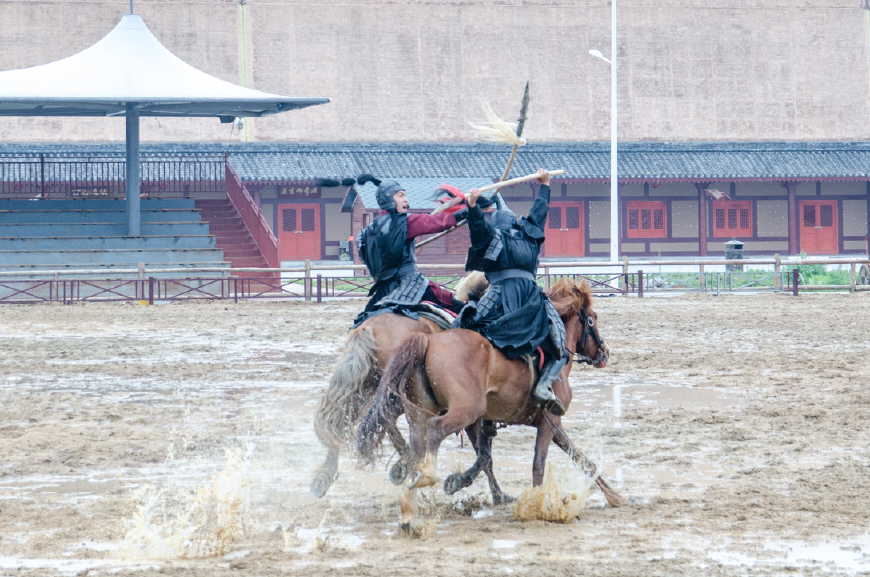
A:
541	206
480	230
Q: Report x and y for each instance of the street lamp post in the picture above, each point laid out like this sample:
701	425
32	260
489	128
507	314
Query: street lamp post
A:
614	182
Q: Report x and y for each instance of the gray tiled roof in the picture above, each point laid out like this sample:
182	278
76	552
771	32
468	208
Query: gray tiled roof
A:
279	161
420	190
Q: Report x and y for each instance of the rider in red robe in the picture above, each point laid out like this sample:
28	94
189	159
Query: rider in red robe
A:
386	246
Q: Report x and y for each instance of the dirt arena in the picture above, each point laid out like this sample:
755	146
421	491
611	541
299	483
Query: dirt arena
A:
738	425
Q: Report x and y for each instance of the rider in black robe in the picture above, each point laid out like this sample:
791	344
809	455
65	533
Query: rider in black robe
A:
386	247
514	314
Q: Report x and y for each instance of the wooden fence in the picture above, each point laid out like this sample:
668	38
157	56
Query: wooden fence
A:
318	282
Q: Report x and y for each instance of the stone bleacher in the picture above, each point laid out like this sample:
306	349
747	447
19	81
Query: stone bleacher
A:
90	234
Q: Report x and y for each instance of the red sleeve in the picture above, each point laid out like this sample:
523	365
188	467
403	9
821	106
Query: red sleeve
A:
420	224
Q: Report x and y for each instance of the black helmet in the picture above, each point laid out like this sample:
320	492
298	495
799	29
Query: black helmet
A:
503	218
386	190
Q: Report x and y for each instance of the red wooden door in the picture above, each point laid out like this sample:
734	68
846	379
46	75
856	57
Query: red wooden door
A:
819	230
565	230
299	231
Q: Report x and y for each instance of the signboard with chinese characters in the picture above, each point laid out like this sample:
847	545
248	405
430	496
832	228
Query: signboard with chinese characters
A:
300	191
89	192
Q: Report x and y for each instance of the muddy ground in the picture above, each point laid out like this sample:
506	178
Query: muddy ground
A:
738	425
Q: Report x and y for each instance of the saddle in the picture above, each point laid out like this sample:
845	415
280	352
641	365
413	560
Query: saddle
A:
429	310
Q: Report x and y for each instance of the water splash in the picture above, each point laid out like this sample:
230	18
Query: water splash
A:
173	523
560	499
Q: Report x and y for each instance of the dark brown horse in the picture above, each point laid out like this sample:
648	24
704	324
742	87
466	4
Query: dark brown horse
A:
367	349
444	382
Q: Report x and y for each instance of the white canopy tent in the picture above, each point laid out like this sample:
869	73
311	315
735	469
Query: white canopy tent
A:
130	73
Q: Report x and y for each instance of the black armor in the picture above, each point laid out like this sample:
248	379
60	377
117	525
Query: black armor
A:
515	314
385	249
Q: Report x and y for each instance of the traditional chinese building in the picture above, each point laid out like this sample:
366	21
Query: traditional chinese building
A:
676	199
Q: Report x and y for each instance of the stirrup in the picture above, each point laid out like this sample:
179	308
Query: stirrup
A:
552	405
550	402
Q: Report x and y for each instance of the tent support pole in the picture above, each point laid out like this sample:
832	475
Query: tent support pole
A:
133	202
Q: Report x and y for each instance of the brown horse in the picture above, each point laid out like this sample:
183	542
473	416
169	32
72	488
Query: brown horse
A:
367	349
444	382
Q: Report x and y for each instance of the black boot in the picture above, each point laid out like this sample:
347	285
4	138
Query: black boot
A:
543	394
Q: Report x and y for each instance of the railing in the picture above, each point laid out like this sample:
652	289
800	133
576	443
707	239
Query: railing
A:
252	216
309	284
105	177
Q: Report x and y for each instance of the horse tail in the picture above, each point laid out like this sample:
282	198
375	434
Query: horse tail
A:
346	395
386	406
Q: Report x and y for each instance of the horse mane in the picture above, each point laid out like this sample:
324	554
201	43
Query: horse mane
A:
569	296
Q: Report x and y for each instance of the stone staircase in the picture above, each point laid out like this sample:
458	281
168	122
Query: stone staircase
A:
232	237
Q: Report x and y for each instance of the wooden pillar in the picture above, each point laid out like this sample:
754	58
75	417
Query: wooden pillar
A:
702	217
791	186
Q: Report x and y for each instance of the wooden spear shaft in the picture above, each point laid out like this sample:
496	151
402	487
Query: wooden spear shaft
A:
495	186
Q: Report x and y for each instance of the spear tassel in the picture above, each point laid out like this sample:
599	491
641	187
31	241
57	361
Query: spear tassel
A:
521	121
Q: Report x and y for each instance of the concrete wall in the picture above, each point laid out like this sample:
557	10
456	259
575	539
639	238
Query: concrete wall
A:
416	70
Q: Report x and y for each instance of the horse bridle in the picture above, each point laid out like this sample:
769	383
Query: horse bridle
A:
589	330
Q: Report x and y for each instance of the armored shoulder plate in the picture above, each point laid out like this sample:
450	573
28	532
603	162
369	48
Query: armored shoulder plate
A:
495	246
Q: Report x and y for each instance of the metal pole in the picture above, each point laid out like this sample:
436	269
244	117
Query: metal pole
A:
150	290
133	201
640	284
614	180
319	297
794	281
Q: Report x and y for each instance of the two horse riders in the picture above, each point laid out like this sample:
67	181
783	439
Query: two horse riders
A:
514	314
386	246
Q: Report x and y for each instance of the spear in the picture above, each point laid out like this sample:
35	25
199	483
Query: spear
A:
521	121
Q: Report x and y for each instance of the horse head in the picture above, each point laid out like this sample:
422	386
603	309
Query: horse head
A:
573	301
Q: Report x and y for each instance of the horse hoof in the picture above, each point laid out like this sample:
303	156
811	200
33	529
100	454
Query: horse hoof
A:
321	483
453	483
410	530
503	499
413	479
398	472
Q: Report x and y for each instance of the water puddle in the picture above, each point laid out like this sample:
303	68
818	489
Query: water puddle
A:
505	544
621	393
851	555
69	566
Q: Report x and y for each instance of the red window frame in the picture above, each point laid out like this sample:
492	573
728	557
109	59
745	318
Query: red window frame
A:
646	219
732	218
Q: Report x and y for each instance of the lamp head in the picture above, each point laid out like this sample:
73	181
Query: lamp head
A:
597	54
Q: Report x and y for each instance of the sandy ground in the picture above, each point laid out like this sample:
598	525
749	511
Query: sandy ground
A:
737	425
